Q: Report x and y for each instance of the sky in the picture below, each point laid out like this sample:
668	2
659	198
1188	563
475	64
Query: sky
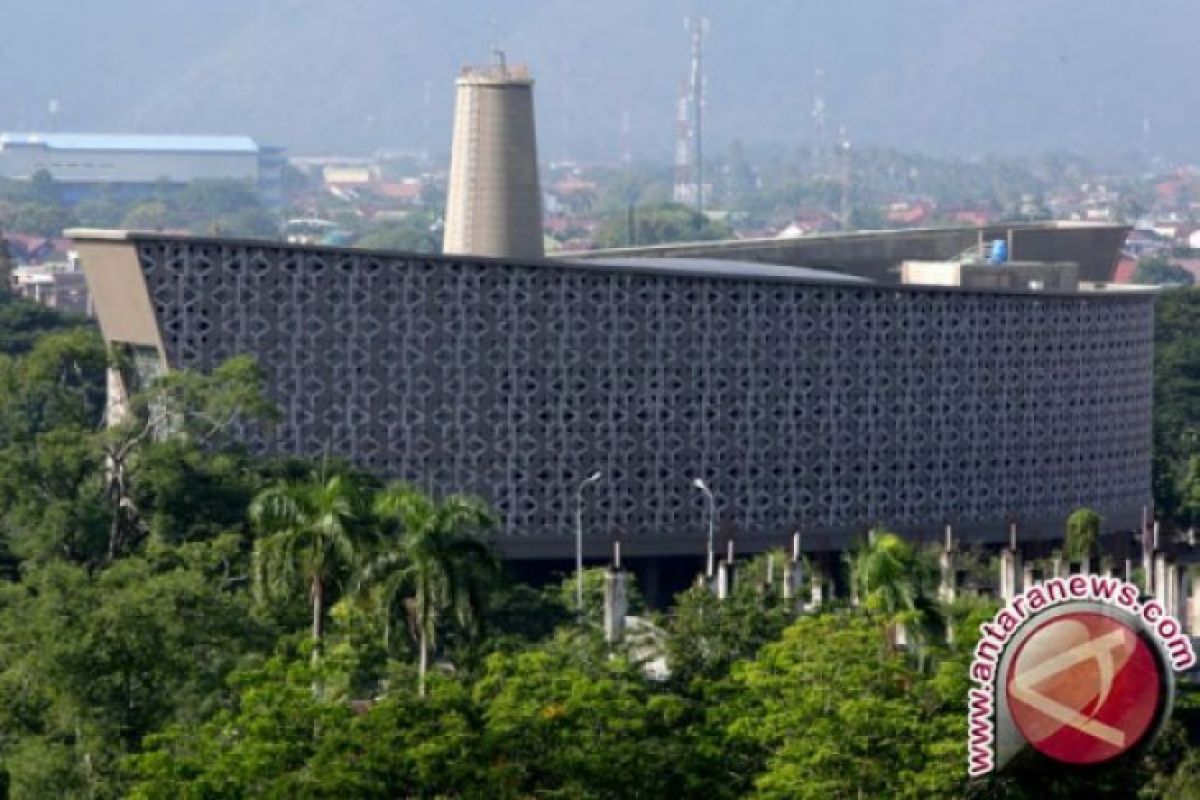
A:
959	78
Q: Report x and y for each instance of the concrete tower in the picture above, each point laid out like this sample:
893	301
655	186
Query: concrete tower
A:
494	204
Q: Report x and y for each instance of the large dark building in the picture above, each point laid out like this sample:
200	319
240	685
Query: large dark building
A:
803	398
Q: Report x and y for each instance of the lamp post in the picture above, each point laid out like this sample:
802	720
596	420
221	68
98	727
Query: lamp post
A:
712	513
589	480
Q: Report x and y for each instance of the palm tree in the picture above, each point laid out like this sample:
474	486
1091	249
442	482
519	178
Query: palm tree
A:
890	578
306	533
440	563
1083	535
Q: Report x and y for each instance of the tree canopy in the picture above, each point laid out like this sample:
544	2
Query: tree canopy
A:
138	660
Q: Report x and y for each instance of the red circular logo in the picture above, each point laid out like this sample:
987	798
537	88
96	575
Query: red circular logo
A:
1083	688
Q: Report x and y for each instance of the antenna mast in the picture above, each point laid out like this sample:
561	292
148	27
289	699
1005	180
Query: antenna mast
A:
696	84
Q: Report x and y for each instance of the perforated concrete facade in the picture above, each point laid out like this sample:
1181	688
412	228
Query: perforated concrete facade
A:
825	406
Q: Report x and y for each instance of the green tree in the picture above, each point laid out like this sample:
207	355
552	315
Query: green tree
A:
257	749
6	271
307	534
891	579
60	382
416	233
102	208
278	741
209	199
839	715
1188	511
254	223
1160	271
92	664
439	563
867	218
22	322
1083	535
707	636
658	224
407	746
151	215
38	219
1176	387
565	719
562	594
204	411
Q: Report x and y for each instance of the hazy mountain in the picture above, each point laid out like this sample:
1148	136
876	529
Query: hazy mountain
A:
318	76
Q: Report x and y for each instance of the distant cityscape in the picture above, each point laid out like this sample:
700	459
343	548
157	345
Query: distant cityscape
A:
396	200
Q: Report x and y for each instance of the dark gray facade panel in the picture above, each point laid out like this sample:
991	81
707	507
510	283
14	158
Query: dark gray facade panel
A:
823	406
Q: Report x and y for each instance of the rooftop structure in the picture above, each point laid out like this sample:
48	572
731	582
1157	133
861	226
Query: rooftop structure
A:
100	142
877	255
1034	275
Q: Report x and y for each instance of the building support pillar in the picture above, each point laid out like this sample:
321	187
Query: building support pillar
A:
1029	576
1010	574
1194	621
817	590
1160	581
616	604
948	585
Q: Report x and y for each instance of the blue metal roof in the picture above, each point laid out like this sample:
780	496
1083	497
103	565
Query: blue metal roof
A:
156	143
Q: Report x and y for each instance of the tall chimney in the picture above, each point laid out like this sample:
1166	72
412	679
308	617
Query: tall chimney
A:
494	204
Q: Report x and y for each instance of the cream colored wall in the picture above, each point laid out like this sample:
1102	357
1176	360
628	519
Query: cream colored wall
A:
119	293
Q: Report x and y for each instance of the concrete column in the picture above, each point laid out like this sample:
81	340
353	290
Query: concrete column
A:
1174	590
793	571
793	579
1028	576
725	573
1170	582
1149	562
724	580
1159	565
1056	567
1181	595
1193	624
817	589
1085	566
1010	573
947	590
616	605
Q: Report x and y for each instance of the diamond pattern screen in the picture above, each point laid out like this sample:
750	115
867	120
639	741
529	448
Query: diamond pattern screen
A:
826	407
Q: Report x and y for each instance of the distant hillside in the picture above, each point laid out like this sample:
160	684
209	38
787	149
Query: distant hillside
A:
1100	77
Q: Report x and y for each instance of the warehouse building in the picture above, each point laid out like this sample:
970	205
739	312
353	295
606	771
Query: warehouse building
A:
81	162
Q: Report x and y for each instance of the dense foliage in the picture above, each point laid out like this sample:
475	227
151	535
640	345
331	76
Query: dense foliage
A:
227	206
1176	408
1161	271
181	620
656	224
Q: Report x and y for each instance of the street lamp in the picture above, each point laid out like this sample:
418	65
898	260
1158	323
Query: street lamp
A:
712	513
590	479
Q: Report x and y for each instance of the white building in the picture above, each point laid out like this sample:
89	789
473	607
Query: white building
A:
78	158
